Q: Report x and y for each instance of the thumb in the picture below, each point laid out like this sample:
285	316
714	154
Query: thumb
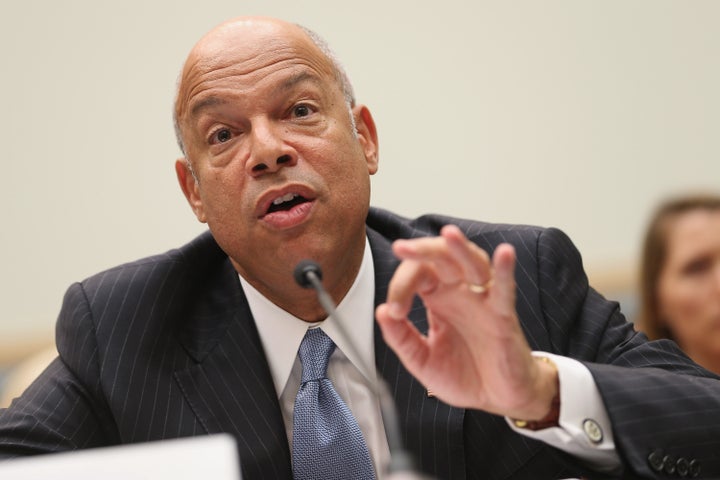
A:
403	338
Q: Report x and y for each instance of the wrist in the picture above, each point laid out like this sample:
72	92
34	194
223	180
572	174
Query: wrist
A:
551	417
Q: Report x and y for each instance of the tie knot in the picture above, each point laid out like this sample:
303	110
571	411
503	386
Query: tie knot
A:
314	352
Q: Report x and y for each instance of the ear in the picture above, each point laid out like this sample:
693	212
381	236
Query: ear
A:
190	188
367	134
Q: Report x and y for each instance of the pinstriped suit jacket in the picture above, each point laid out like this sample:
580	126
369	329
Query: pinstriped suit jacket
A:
166	347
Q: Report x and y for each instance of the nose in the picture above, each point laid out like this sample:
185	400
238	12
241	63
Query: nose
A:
268	151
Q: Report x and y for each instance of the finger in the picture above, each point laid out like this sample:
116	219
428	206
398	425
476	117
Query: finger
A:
474	261
504	279
403	338
410	277
434	250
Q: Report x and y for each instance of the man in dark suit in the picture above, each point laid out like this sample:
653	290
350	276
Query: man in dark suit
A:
503	362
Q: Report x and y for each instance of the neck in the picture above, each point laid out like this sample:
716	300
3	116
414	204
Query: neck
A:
339	274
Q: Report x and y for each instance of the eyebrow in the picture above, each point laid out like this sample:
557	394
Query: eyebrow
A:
288	84
206	103
296	79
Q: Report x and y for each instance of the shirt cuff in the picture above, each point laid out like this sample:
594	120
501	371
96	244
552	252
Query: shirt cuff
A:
584	429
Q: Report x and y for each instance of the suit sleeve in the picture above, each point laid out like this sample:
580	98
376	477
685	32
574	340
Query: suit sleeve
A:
664	409
63	408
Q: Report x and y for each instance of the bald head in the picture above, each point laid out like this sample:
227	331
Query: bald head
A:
263	112
242	44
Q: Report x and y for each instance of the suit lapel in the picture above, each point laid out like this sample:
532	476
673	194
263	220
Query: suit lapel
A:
229	387
432	430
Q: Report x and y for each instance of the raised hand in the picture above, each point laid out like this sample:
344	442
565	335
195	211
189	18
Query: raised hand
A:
475	354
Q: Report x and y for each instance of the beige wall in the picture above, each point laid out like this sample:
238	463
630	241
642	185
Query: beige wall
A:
570	113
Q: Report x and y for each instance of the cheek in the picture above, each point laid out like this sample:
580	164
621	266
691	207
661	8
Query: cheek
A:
683	308
344	167
222	192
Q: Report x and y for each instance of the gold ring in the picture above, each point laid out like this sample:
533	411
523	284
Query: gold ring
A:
475	288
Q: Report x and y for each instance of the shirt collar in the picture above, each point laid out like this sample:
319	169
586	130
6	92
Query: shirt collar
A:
281	332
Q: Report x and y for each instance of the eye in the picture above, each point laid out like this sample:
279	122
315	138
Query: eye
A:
698	266
301	110
220	135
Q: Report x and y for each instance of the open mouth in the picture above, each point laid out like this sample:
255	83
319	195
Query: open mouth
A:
286	202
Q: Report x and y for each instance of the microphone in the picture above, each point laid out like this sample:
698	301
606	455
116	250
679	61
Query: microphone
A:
304	270
308	274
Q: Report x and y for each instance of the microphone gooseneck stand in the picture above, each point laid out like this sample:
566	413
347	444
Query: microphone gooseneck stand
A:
308	274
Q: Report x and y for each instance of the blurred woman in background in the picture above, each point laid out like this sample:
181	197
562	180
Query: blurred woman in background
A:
680	277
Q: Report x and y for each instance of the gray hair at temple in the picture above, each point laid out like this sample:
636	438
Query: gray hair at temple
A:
340	75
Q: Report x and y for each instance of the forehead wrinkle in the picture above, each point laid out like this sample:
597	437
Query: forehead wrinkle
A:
198	78
286	85
201	77
264	48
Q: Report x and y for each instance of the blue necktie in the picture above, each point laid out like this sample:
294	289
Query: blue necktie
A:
327	441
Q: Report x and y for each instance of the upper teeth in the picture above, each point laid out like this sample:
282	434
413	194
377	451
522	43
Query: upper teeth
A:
285	198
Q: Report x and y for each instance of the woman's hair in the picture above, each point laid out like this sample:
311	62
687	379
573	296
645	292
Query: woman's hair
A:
654	256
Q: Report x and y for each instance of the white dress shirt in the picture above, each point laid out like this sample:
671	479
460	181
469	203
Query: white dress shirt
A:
281	334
